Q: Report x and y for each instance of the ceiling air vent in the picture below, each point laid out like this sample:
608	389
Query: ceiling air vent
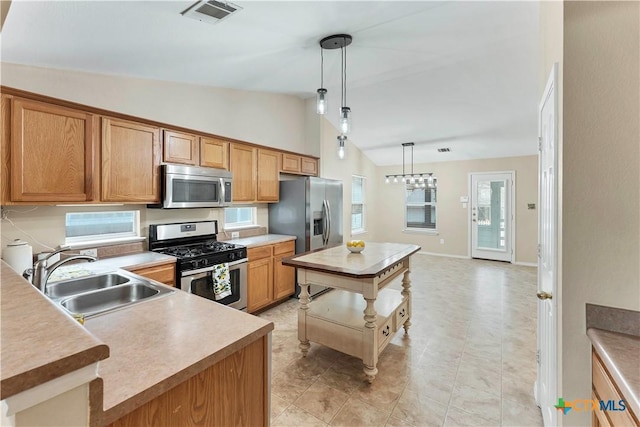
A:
444	150
210	11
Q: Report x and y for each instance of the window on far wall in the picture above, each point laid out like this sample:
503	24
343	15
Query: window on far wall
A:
357	204
92	227
420	210
239	217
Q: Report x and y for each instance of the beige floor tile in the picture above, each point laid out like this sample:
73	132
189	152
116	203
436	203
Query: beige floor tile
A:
356	413
296	417
278	405
397	422
470	354
459	418
322	401
419	410
517	413
476	401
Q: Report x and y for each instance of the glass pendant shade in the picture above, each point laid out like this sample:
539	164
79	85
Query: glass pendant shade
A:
341	147
345	120
321	101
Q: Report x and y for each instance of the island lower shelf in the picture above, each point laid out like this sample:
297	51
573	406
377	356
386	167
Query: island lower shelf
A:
336	320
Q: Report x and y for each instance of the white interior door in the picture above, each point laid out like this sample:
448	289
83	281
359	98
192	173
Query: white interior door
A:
492	216
546	381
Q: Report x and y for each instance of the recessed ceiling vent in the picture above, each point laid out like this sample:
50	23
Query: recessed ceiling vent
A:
210	11
444	150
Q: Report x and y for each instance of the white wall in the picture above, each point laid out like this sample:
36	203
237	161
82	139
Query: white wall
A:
452	217
258	117
601	176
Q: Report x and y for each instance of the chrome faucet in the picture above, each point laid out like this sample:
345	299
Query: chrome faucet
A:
40	272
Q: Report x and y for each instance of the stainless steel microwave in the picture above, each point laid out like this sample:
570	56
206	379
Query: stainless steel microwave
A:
195	187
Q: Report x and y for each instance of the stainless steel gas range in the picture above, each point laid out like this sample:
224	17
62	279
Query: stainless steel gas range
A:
199	254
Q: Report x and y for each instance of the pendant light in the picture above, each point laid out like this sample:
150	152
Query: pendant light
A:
321	98
415	179
341	147
336	41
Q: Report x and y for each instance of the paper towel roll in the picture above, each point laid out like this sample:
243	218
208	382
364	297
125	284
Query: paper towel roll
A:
19	255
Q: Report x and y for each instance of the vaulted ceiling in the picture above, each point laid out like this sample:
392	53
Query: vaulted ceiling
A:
461	75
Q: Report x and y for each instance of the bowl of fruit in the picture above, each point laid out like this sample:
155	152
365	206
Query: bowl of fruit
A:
355	246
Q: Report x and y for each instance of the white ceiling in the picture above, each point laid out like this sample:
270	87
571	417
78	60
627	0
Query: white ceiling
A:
451	74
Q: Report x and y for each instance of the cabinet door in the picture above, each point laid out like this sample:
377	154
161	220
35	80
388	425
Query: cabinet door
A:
290	163
243	166
130	162
268	173
214	153
284	277
165	273
309	166
52	153
259	284
181	148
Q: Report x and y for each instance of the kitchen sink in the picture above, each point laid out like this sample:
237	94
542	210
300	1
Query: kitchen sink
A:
84	284
88	296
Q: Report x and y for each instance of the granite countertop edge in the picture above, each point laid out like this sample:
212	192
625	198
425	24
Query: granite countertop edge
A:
612	347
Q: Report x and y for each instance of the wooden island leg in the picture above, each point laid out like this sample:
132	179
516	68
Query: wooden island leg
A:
370	360
302	317
406	294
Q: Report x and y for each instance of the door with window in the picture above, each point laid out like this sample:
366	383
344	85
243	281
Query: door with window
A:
492	216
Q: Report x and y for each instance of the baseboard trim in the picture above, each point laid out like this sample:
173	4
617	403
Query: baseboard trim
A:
444	255
526	264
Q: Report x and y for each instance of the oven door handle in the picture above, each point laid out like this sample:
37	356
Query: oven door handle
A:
201	272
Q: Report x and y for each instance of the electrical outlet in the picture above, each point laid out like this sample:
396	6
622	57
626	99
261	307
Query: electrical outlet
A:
235	234
442	241
90	252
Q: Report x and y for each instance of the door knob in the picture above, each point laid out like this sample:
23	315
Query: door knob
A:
544	295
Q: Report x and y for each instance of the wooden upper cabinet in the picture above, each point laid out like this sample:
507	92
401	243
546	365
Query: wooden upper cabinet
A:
290	163
294	163
214	153
180	147
131	155
242	163
309	166
268	186
52	153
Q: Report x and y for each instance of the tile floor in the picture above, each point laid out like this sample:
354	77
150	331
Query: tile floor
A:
469	358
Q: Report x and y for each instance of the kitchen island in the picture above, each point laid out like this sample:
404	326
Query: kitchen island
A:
359	316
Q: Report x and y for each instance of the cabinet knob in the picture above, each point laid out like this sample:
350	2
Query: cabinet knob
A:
385	332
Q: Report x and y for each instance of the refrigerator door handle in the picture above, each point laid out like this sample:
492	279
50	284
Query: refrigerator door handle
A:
328	223
325	225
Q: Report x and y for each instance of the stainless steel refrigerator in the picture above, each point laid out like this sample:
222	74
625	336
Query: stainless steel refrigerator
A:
310	209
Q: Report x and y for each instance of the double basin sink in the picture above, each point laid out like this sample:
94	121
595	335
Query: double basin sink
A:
92	295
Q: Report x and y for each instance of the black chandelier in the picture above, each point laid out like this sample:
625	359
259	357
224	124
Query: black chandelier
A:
422	179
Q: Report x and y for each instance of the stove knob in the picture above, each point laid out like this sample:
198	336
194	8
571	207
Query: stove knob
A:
205	262
194	264
232	256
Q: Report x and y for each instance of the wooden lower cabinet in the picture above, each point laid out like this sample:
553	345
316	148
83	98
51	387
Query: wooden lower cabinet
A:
268	280
165	273
284	278
605	389
233	392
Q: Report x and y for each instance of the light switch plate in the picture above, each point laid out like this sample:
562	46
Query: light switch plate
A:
235	234
90	252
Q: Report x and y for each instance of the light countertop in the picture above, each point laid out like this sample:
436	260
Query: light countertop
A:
620	354
158	344
375	258
105	265
262	240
